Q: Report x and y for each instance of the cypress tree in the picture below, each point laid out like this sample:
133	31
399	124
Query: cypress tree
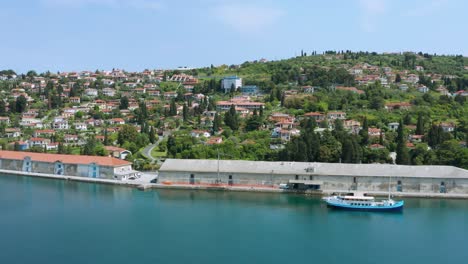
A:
152	135
216	123
403	157
185	112
172	108
420	125
364	132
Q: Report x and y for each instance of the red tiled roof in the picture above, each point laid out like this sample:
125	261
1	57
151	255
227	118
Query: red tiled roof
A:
66	159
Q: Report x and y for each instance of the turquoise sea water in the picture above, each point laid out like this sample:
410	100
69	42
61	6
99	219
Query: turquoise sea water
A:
51	221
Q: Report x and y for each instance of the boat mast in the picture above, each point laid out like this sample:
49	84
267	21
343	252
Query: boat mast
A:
217	179
389	182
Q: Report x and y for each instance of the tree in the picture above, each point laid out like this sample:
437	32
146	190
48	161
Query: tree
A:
127	133
185	112
216	123
253	123
172	108
20	104
2	107
231	119
123	103
90	147
61	148
397	78
401	149
420	125
152	135
364	132
106	137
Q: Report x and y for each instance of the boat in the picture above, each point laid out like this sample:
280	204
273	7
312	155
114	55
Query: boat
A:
360	202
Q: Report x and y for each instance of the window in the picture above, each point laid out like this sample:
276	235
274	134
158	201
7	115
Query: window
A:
311	177
297	177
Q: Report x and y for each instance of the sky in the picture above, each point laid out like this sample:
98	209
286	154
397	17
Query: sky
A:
75	35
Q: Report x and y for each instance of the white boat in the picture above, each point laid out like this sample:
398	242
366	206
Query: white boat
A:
358	201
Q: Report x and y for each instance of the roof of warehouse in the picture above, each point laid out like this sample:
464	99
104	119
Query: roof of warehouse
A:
312	168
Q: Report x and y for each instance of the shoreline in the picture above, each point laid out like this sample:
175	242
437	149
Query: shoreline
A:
143	186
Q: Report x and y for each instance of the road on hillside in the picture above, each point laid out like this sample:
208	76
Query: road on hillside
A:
148	149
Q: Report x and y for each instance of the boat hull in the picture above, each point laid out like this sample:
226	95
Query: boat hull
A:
398	206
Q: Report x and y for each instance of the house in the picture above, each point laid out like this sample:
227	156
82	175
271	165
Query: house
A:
461	93
52	146
317	116
286	134
61	125
279	117
423	89
403	87
70	138
393	126
239	102
214	140
5	120
352	125
75	100
447	126
21	145
108	92
229	82
91	92
412	78
153	92
336	115
44	133
38	142
170	95
249	90
419	68
116	121
12	132
139	90
81	126
443	91
374	132
286	124
308	89
117	152
416	138
188	88
200	133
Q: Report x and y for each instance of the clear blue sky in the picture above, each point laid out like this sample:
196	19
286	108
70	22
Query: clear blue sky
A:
67	35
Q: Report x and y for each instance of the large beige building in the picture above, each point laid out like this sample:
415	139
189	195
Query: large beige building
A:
69	165
319	176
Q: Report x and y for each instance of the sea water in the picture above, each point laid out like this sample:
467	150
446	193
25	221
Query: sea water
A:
53	221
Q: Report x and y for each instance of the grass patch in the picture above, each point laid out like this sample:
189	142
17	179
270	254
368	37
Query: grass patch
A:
158	154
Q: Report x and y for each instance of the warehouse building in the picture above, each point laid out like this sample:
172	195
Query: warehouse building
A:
67	165
318	176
